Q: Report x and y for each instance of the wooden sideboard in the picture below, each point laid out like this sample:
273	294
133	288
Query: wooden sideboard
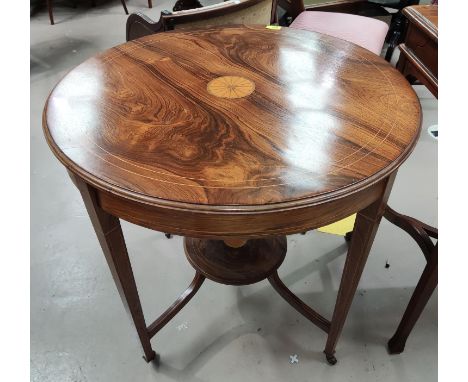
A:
418	58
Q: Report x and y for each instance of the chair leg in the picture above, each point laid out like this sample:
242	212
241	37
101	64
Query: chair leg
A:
426	285
150	4
51	16
125	6
395	34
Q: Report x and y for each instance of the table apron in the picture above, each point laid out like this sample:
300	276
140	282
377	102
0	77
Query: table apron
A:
218	225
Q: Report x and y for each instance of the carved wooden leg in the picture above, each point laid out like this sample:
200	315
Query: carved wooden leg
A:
110	235
150	4
426	285
51	15
124	6
365	228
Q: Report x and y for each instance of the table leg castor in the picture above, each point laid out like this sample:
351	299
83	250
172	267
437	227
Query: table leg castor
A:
154	357
331	359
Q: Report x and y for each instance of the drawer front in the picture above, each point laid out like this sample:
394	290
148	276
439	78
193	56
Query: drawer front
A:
423	47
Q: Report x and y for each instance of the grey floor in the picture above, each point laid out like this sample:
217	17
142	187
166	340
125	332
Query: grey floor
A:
79	329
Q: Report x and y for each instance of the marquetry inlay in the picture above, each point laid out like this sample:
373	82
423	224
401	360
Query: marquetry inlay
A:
230	87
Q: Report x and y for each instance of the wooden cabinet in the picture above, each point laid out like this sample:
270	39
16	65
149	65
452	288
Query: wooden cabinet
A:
418	57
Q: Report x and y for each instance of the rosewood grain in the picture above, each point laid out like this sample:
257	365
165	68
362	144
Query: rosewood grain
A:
153	133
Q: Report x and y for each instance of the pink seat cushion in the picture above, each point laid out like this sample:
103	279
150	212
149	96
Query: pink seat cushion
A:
364	31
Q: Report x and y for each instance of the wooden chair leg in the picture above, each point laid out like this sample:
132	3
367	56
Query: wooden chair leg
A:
150	4
51	15
110	235
426	285
124	6
421	233
365	229
395	34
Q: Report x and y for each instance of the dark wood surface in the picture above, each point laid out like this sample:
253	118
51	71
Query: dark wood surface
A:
250	263
419	53
365	228
425	17
300	131
147	129
111	239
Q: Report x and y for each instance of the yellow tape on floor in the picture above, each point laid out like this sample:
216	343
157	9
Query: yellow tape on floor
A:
340	227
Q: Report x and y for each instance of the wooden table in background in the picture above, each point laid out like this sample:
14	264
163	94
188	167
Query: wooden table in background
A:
233	137
418	57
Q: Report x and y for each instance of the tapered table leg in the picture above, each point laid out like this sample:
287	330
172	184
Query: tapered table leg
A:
110	235
365	228
426	285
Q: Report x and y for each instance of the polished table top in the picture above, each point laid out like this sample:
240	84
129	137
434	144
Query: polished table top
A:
233	137
239	116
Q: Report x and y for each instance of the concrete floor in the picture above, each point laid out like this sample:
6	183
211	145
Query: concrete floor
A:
79	329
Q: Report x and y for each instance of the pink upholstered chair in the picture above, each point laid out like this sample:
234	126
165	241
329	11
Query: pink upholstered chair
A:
364	31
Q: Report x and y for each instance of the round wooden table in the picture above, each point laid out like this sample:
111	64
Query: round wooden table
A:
233	137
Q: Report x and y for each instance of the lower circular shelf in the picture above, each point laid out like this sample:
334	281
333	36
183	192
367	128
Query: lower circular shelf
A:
251	263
